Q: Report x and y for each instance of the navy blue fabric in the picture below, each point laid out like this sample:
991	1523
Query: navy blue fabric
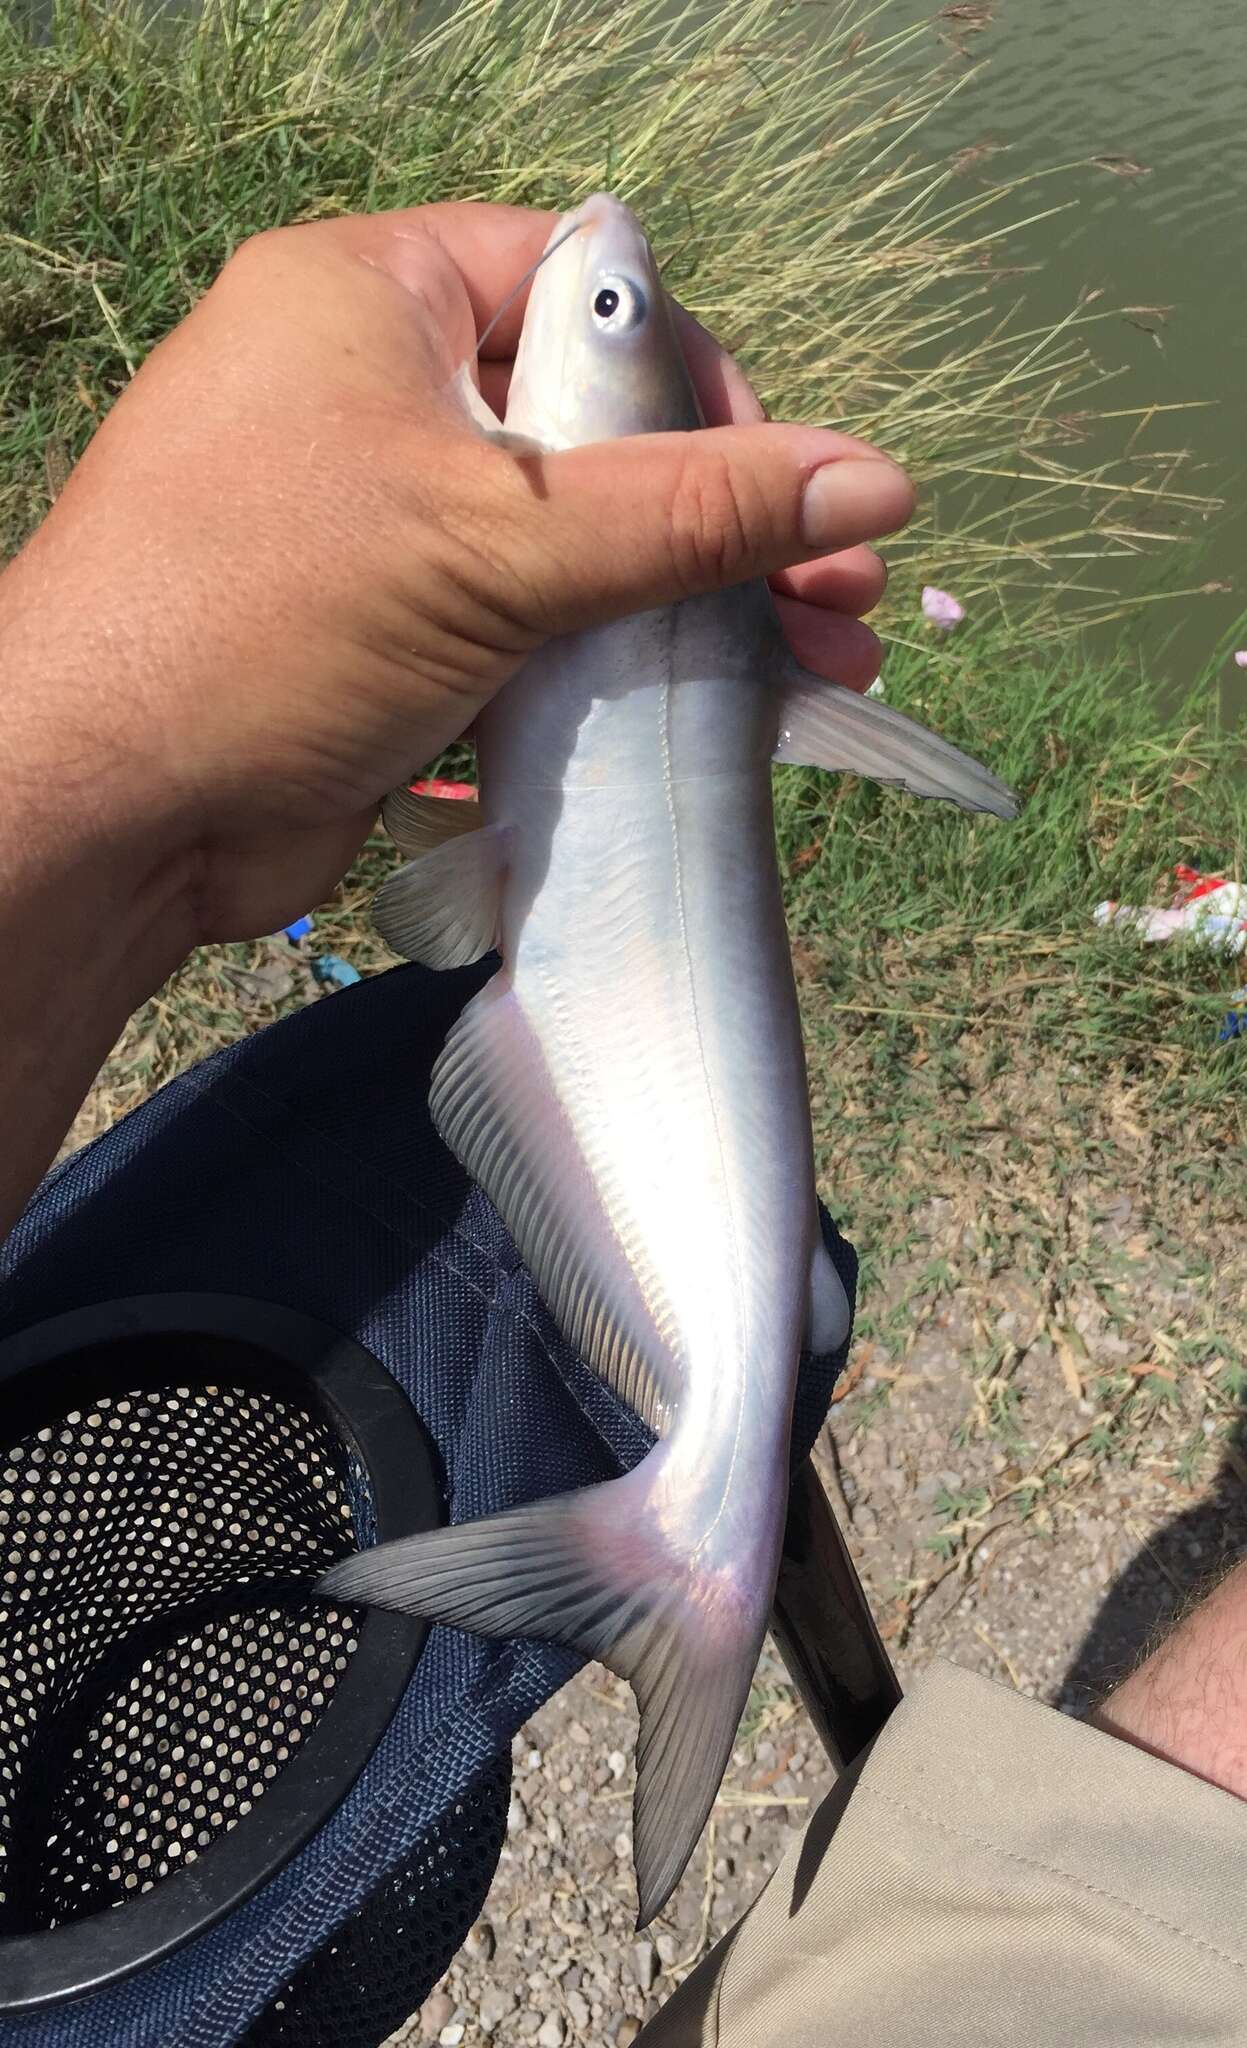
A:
300	1166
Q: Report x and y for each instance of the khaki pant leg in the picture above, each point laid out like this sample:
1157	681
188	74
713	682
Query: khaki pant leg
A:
992	1871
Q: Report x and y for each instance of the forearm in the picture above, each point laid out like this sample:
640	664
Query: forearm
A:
92	895
1188	1702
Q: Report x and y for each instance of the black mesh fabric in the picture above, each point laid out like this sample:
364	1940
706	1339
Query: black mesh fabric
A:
382	1964
154	1675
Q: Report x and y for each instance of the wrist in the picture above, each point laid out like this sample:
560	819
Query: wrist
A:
85	821
94	891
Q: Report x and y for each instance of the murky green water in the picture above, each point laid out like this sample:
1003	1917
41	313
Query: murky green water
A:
1161	84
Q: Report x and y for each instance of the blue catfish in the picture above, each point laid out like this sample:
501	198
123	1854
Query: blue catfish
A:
629	1089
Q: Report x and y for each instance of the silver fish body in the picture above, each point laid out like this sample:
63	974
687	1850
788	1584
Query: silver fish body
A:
630	1088
647	957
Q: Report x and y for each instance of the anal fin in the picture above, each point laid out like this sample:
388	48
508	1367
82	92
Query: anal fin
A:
496	1105
823	725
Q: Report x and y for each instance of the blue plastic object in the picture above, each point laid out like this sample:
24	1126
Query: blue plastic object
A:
331	971
298	930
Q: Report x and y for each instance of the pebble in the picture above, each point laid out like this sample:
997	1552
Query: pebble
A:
517	1816
550	2033
578	2007
450	2037
623	1847
554	1831
626	2032
480	1942
494	2004
616	1763
644	1963
668	1949
579	1733
437	2012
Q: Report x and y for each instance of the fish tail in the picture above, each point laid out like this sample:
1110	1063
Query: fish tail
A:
588	1570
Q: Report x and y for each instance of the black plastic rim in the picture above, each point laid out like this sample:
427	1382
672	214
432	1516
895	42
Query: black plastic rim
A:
43	1375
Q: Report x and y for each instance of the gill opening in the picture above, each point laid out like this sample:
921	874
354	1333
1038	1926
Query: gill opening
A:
529	274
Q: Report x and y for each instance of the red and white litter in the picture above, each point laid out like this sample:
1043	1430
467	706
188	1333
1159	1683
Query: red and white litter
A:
1208	910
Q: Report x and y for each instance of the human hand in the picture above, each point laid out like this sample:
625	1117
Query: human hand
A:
288	571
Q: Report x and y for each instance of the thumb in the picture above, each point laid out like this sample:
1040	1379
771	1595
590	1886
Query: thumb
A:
621	526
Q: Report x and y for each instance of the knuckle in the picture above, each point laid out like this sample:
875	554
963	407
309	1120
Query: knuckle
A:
257	253
476	549
278	259
713	523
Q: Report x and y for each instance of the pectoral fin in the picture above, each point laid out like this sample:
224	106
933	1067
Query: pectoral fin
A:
486	421
443	908
823	725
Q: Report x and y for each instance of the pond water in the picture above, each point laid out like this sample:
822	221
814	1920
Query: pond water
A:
1156	89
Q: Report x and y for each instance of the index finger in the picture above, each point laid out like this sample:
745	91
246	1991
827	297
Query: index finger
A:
487	247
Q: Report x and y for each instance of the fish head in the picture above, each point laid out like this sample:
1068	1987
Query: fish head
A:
599	355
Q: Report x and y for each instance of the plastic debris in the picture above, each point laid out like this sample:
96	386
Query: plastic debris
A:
462	791
298	930
1240	657
940	608
876	688
1209	910
1233	1027
331	971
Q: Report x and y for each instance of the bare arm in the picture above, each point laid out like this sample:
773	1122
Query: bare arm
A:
1188	1702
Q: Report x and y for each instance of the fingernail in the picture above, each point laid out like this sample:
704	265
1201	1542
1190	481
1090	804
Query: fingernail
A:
849	501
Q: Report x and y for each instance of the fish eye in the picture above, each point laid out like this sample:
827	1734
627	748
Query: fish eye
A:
618	304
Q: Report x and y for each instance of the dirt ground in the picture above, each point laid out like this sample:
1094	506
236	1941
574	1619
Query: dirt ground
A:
1038	1456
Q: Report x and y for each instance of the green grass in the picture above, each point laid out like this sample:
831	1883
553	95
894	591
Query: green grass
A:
775	151
931	923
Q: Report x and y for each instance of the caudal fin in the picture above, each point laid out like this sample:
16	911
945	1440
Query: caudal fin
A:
583	1569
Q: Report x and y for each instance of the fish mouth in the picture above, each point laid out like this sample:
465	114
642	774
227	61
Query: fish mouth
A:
608	236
